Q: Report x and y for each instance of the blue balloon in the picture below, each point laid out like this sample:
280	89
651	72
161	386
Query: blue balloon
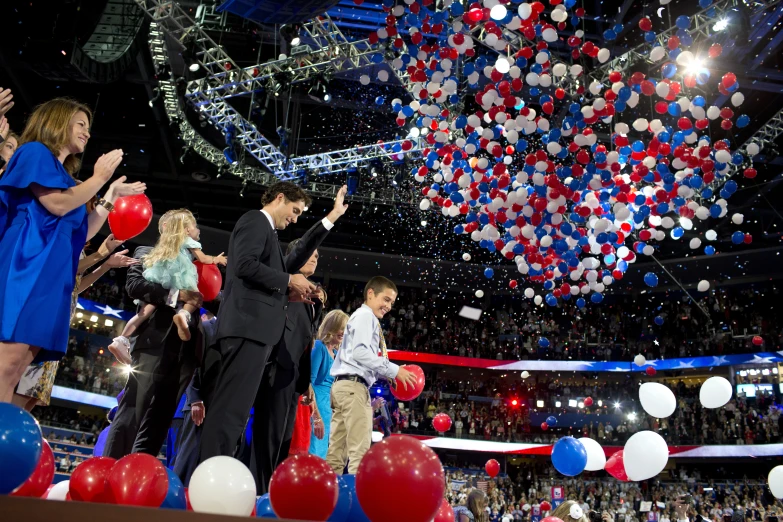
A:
344	502
357	513
264	507
488	272
610	35
683	22
543	342
580	303
743	121
650	279
709	250
658	320
597	298
175	496
21	444
569	456
704	4
551	421
737	238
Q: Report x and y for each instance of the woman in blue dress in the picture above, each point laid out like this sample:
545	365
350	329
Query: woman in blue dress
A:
330	336
43	228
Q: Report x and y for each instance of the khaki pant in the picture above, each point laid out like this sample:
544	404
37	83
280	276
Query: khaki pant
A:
351	428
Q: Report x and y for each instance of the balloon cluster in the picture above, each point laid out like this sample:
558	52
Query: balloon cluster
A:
528	173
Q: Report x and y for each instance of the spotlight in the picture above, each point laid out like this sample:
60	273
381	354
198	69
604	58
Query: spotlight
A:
694	66
721	24
632	416
424	224
327	97
194	67
290	34
616	405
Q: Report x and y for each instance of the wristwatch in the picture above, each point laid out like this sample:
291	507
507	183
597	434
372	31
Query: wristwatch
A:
102	202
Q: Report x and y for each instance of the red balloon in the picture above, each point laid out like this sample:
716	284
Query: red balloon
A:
138	479
445	512
588	401
441	422
39	482
758	340
616	467
304	477
88	480
403	468
131	216
552	519
546	506
544	426
650	371
492	467
209	280
413	391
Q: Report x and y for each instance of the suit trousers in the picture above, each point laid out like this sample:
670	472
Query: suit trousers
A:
151	396
249	378
350	433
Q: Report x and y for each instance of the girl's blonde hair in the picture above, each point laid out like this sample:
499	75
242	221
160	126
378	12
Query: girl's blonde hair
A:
50	124
332	325
563	512
173	233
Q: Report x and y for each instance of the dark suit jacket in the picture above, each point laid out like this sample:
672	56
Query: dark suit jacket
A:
299	340
159	329
255	297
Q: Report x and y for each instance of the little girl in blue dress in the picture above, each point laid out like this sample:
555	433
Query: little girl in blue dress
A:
170	264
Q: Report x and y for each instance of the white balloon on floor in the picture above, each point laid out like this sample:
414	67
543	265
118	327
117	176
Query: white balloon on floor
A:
645	455
657	399
775	481
596	458
59	490
715	392
222	486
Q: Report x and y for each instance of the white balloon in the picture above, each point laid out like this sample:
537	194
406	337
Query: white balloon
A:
479	293
525	10
549	34
657	53
657	399
383	75
695	243
604	55
774	481
645	455
425	204
59	490
538	300
715	392
639	360
753	149
640	124
376	436
222	486
737	98
711	235
596	458
703	285
364	79
529	293
466	256
737	219
525	374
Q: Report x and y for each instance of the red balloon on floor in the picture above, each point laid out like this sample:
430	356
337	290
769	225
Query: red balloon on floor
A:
209	280
412	391
402	468
88	480
303	487
615	466
441	422
492	467
131	216
138	480
545	506
445	512
41	479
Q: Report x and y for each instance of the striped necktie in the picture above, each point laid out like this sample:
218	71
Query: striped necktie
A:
382	342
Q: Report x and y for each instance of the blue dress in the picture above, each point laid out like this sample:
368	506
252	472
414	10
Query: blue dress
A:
321	363
179	272
39	254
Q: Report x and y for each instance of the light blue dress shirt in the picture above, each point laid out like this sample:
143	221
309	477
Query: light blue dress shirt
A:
360	353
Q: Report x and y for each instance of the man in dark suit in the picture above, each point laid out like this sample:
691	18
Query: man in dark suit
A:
162	367
252	322
295	359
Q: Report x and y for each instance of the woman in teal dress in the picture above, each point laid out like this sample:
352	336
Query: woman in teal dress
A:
43	228
330	336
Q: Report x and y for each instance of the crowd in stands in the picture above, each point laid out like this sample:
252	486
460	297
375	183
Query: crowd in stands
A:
744	420
518	496
89	366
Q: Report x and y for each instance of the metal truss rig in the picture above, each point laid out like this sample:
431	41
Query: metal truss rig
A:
701	29
225	79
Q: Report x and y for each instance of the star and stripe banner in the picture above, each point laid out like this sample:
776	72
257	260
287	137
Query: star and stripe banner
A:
508	448
108	311
765	358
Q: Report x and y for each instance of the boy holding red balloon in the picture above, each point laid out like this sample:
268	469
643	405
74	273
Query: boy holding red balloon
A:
358	363
170	264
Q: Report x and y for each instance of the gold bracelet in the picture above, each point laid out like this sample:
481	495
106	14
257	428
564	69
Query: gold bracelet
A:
106	204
